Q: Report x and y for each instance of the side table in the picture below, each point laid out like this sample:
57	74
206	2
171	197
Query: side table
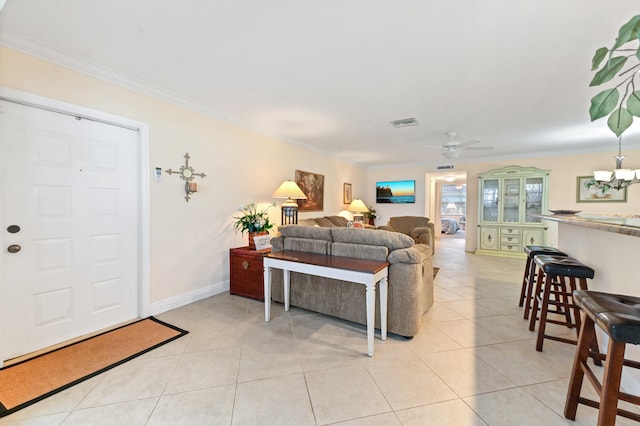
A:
247	272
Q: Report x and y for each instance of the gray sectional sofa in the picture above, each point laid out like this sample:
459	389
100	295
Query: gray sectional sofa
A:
410	275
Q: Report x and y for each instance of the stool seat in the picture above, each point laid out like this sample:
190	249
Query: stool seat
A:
566	266
618	314
532	251
559	276
529	277
619	317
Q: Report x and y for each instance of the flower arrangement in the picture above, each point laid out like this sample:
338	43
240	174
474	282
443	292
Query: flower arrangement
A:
371	214
251	219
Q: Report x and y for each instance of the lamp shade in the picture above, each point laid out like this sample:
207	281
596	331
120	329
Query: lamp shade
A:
289	189
602	175
357	206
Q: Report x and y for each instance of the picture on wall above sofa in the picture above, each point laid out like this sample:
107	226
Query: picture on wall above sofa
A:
312	185
397	192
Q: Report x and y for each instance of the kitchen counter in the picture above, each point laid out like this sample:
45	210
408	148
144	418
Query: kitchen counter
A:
608	244
619	224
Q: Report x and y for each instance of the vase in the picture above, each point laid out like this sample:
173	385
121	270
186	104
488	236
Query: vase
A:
252	244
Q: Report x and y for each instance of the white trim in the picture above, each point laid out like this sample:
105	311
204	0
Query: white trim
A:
144	249
188	298
144	209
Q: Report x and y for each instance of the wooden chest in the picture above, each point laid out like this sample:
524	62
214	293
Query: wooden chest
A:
247	272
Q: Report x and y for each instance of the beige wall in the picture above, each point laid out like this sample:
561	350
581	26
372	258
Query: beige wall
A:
189	241
562	187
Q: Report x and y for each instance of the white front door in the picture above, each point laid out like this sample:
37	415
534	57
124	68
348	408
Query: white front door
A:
69	227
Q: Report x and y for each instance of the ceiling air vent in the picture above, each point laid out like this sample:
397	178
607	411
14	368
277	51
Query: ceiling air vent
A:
446	167
404	122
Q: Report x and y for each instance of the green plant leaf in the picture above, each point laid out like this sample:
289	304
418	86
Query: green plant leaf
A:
619	121
628	32
598	57
610	69
633	104
603	103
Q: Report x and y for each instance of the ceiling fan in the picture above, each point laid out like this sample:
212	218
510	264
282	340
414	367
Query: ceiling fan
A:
451	149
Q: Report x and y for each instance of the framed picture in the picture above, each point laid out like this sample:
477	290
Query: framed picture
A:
588	192
312	185
396	192
346	193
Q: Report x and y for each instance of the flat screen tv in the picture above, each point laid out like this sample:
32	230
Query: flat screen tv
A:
396	192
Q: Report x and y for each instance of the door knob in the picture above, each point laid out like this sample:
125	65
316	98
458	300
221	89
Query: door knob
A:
14	248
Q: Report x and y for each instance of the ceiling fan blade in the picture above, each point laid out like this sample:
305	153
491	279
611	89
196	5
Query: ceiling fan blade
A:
478	148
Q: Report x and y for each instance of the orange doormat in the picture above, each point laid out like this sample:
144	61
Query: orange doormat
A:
32	380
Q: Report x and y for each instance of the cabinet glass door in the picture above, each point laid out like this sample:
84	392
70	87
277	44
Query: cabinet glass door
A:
533	199
511	200
490	190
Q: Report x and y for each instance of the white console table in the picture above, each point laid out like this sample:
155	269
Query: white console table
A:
361	271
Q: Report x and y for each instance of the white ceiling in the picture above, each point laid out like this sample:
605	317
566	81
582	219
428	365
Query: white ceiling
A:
332	74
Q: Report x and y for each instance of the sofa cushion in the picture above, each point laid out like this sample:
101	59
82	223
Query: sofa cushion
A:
360	251
312	232
308	245
406	224
307	222
324	222
390	240
337	220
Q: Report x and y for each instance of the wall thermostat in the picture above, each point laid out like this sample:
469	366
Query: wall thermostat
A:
157	174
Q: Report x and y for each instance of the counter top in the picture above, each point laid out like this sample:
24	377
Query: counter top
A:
619	224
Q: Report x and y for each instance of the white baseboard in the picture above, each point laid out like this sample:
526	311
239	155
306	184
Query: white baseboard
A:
187	298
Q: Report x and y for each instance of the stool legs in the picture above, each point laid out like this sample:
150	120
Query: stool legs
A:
525	281
564	305
531	283
535	303
577	372
610	391
559	287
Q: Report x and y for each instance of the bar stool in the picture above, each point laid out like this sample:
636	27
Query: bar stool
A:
529	277
619	317
552	279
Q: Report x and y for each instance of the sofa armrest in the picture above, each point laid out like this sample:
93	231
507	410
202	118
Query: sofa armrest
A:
277	243
424	235
407	255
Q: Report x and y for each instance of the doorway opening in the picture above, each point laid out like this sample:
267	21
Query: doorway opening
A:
453	210
449	205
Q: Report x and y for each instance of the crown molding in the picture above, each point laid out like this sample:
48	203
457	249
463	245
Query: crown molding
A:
40	50
60	57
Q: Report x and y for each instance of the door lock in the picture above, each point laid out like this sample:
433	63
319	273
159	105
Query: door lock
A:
14	248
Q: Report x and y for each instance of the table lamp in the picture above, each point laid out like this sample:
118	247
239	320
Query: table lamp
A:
291	191
359	208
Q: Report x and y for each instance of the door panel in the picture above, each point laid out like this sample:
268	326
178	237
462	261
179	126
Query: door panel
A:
71	186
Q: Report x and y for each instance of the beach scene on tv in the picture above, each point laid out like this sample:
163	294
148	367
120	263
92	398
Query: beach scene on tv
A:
401	191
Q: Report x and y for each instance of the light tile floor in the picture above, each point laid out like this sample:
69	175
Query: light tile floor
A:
473	363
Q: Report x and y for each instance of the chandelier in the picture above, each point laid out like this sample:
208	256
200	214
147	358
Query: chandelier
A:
619	178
